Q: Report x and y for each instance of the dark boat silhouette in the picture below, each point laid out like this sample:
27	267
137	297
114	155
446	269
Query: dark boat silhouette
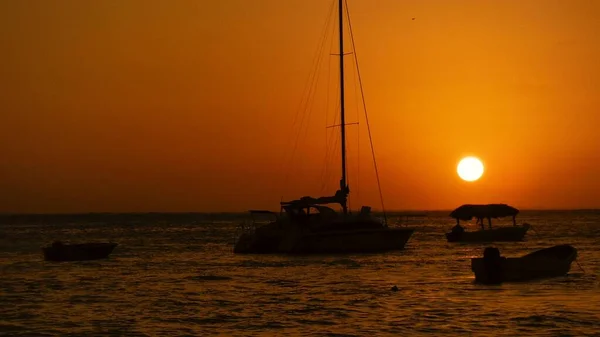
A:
298	231
307	226
548	262
480	212
59	251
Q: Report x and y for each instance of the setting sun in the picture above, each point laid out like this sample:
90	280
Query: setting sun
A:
470	168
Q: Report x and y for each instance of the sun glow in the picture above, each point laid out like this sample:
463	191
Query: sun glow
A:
470	168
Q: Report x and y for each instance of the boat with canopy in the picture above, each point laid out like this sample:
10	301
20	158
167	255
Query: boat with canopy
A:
480	212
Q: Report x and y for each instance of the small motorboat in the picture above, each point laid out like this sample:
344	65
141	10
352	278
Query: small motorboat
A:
468	212
548	262
59	251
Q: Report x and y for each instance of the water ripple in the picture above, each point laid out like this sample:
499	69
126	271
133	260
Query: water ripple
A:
181	278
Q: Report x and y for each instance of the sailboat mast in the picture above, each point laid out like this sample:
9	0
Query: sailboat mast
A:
343	183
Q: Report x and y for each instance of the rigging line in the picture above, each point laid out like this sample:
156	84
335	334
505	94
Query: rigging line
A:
357	188
309	104
335	156
366	115
308	86
313	84
324	167
332	156
331	141
331	46
327	169
335	126
312	78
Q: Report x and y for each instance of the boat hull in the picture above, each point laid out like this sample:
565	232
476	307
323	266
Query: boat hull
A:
251	243
325	242
514	233
78	252
550	262
348	242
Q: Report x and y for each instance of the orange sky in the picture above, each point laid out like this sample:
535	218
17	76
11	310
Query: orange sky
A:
188	105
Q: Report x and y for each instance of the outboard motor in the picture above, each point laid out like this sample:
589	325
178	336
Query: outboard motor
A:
492	262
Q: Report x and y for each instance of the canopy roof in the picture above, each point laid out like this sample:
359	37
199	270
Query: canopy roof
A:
467	212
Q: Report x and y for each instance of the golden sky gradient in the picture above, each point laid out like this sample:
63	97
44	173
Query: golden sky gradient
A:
188	105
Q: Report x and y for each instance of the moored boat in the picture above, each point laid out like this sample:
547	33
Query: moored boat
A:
480	212
59	251
317	229
548	262
308	226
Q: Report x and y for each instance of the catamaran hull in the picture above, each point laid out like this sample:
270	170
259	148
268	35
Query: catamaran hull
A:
250	243
331	242
515	233
348	242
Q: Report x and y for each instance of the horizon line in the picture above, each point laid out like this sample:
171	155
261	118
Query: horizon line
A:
246	211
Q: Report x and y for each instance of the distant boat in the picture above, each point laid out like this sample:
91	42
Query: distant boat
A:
59	251
307	226
480	212
548	262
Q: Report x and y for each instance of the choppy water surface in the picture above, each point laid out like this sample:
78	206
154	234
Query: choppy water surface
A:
176	275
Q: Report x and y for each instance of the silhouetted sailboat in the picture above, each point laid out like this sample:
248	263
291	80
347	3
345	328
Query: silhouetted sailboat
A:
306	225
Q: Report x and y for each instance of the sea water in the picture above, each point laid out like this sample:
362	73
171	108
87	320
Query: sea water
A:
176	275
